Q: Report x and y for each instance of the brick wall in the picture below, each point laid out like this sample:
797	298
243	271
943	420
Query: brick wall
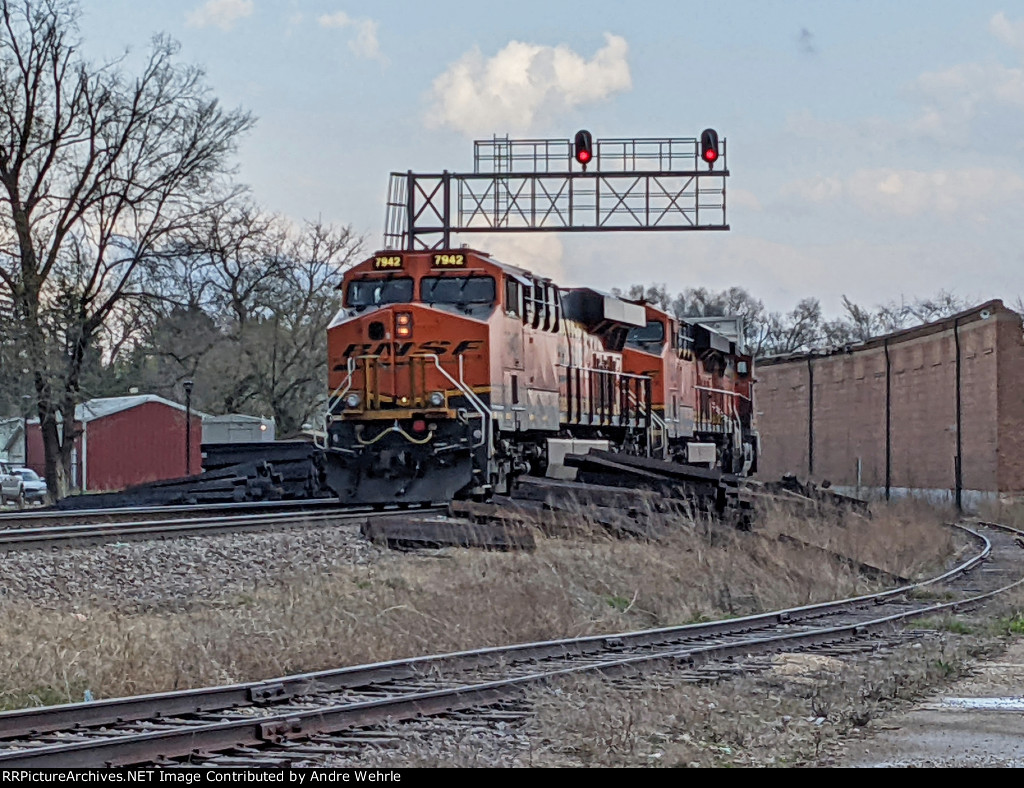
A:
780	397
849	408
1010	452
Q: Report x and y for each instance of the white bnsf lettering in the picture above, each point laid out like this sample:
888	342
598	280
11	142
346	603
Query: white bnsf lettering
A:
401	349
449	260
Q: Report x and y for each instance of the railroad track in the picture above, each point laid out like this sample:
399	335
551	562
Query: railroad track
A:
197	521
27	518
269	722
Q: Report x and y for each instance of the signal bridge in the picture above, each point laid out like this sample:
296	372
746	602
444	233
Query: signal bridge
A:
560	185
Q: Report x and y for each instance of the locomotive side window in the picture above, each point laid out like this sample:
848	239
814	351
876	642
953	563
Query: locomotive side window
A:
550	307
457	290
529	307
375	292
685	338
513	296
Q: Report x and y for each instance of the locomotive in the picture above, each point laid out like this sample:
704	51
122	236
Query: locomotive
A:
451	373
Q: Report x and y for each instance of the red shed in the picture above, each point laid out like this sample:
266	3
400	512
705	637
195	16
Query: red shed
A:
126	440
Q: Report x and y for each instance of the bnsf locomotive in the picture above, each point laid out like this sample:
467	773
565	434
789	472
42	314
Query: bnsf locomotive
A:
451	373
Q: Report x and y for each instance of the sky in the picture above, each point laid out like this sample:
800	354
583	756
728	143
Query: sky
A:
875	148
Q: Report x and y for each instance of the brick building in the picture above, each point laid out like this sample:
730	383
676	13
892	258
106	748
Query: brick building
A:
891	415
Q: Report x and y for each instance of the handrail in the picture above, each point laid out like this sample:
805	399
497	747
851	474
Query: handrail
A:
474	400
334	397
658	422
605	371
723	391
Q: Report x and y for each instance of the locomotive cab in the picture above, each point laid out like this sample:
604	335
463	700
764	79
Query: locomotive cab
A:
407	418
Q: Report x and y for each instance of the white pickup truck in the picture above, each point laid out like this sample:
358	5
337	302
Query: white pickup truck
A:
12	486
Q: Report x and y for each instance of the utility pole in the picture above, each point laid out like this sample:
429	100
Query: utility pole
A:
188	427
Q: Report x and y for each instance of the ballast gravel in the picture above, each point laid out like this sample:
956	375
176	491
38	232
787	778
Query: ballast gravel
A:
174	573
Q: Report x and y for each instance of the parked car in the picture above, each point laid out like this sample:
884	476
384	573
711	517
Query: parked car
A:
33	484
12	487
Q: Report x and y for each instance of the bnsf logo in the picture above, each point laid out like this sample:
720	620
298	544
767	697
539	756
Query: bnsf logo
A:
400	349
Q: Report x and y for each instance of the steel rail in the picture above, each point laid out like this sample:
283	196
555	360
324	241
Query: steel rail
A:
83	716
210	737
15	539
62	515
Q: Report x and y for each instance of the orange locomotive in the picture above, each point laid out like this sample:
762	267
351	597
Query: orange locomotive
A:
451	373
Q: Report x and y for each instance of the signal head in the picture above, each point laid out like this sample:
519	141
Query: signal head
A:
709	147
583	147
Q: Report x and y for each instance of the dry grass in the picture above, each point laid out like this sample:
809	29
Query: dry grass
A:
907	538
405	605
783	716
806	709
776	718
1008	512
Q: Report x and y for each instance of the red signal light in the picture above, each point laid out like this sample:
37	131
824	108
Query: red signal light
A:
583	147
419	426
709	146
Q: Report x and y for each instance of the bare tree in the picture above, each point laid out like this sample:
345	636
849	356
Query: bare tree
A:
248	322
798	330
291	370
97	170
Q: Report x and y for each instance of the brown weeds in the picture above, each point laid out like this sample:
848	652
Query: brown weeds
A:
404	605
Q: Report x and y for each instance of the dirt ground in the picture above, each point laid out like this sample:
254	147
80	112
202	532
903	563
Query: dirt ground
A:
978	721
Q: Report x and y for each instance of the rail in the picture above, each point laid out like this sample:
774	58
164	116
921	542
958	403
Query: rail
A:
16	539
266	713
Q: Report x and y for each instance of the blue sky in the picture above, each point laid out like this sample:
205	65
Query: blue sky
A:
875	147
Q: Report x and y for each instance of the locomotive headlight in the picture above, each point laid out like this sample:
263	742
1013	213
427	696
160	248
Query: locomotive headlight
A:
403	325
352	400
436	399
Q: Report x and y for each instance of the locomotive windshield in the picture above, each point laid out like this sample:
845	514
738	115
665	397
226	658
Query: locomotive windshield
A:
457	290
651	334
374	292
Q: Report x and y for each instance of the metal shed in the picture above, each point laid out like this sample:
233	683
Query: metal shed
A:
127	440
237	428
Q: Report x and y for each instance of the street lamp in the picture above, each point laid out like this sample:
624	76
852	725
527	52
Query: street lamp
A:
188	427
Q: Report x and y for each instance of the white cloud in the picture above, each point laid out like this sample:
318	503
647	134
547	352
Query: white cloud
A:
339	19
364	41
953	107
816	190
539	253
1008	32
219	13
972	193
744	198
525	84
954	99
